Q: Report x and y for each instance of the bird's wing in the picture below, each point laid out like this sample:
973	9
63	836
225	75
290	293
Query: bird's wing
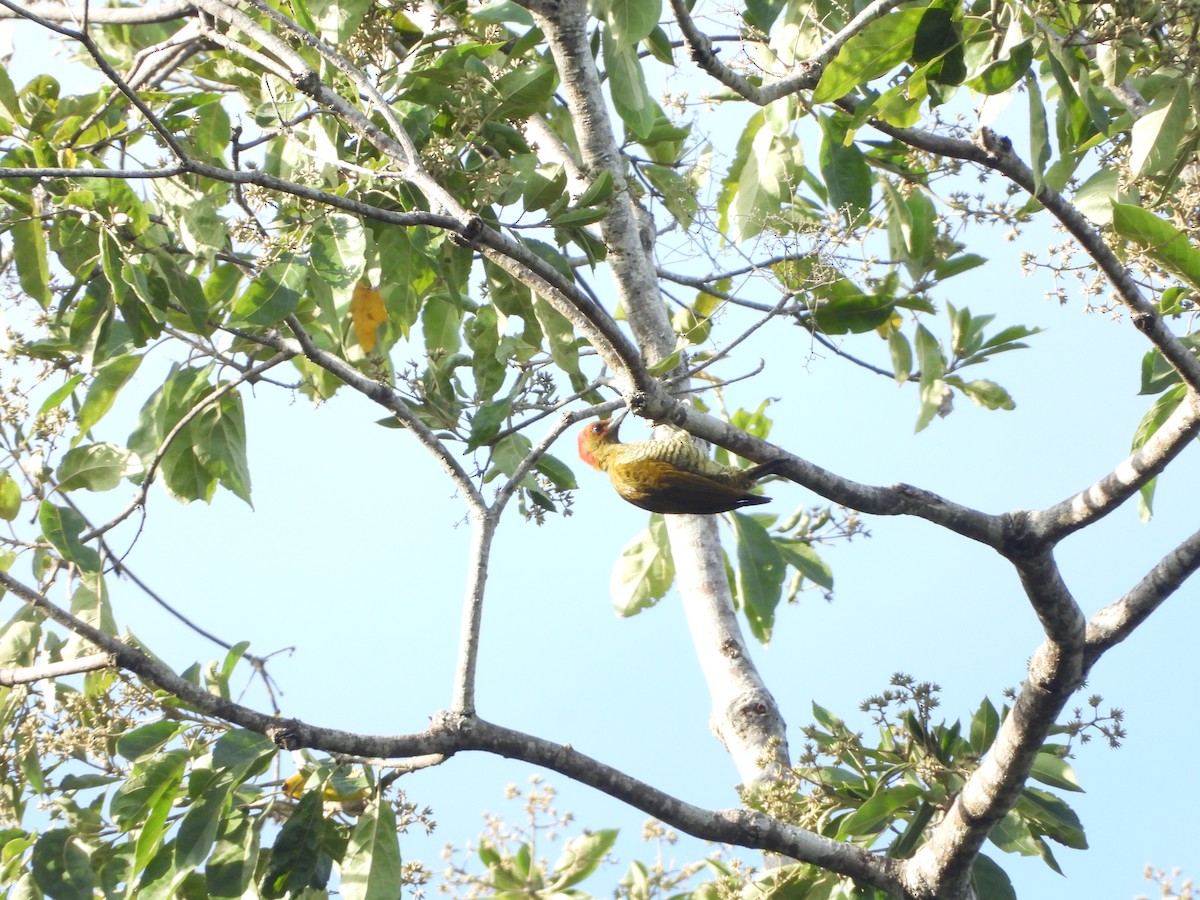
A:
661	487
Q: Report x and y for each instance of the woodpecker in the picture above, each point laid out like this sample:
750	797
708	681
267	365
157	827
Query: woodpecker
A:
670	475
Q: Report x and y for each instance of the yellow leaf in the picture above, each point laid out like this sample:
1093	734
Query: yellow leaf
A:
367	312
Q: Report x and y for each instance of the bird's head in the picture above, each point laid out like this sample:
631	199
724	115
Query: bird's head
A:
595	436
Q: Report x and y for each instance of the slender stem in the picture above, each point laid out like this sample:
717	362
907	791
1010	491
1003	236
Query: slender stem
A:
483	531
27	674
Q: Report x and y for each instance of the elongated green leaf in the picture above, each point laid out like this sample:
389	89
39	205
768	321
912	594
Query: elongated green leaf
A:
297	858
1052	769
218	440
1039	132
1156	135
146	739
633	20
876	50
153	778
62	527
627	85
371	868
198	828
844	169
801	556
525	91
760	574
1052	816
1164	242
581	857
933	366
644	571
878	811
1003	74
991	881
29	254
984	725
231	866
109	380
244	753
10	497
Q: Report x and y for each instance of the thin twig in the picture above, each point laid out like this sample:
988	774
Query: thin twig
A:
26	674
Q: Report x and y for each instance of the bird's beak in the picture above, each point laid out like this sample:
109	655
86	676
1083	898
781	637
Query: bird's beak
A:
614	424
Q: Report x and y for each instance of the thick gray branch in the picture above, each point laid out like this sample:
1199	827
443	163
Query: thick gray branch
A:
1117	621
1099	499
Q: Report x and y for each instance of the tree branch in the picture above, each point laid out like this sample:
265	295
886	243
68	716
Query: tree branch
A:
129	15
1131	474
1115	622
26	674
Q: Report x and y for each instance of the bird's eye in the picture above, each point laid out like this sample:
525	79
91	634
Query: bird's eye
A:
597	427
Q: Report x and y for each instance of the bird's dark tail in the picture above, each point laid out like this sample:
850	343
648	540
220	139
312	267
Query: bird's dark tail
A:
764	469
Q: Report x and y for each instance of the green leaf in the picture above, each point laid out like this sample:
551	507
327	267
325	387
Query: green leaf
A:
243	753
441	320
850	311
760	574
109	380
487	422
56	397
644	571
10	497
901	352
990	881
1053	770
678	192
338	249
273	295
96	467
297	857
544	186
1051	816
1165	243
1156	135
878	812
62	527
232	865
633	20
29	254
984	726
581	857
627	86
526	91
62	867
153	778
371	868
876	50
198	828
844	169
1039	132
801	556
933	367
146	739
987	394
1003	74
218	441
